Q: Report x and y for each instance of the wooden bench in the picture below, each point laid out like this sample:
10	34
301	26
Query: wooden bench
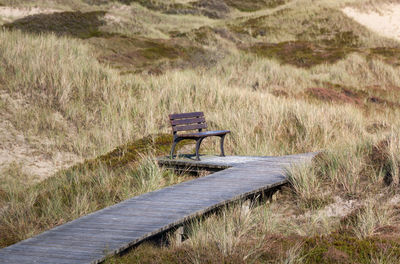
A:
193	121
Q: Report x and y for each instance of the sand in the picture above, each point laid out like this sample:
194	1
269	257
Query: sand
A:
9	14
384	20
16	149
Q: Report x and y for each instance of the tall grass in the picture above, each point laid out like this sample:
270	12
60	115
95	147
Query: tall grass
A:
372	217
76	88
90	109
62	98
73	193
307	186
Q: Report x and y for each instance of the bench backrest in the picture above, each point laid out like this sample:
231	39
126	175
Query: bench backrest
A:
187	121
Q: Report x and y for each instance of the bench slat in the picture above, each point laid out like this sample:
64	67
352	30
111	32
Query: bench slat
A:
188	121
189	127
205	134
186	115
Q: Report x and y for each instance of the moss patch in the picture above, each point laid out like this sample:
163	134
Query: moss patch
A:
343	248
299	53
132	152
76	24
209	8
136	54
254	5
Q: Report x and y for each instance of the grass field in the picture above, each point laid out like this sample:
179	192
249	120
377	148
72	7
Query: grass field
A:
86	89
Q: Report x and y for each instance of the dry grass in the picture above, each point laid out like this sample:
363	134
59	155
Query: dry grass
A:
308	187
347	106
28	209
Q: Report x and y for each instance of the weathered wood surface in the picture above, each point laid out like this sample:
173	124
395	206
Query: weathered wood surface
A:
91	238
188	162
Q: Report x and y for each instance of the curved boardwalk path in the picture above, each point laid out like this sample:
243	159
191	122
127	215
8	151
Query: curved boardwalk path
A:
91	238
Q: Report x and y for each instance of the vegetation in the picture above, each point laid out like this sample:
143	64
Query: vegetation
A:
96	80
78	24
124	172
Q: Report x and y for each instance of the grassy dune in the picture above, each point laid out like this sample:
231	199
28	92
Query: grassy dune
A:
285	76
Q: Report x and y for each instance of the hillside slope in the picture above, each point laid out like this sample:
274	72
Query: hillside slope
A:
79	78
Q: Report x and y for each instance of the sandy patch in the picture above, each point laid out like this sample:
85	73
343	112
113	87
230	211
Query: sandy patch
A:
118	14
340	208
113	18
395	200
384	20
9	14
14	148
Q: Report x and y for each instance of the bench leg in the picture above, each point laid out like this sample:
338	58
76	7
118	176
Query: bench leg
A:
222	146
198	142
173	148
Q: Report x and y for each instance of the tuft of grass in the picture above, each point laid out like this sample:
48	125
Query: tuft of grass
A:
370	218
384	159
308	188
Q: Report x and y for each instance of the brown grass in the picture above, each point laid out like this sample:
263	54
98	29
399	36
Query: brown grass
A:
327	95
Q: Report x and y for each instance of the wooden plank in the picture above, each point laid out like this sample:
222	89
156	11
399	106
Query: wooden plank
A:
95	242
133	229
50	252
177	193
110	219
188	121
189	127
186	115
19	258
73	245
151	213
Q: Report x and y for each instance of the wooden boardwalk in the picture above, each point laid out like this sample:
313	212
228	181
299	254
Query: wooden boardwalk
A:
91	238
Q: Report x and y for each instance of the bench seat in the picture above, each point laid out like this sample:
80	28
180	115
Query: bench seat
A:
193	121
205	134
